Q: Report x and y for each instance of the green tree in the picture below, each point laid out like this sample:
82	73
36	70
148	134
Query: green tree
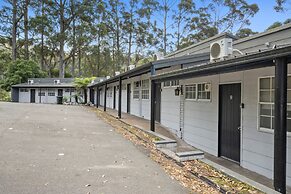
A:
279	7
220	16
81	84
182	18
19	71
278	24
5	58
245	32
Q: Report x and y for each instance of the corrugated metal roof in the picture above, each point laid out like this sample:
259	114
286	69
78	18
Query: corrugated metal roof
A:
47	82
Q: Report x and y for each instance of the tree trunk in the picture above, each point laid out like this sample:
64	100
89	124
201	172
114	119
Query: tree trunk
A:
117	40
165	28
14	30
62	42
98	54
79	61
26	43
42	37
178	36
74	50
74	40
130	37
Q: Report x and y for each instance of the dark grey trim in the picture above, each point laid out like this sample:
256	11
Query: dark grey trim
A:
15	94
258	60
280	132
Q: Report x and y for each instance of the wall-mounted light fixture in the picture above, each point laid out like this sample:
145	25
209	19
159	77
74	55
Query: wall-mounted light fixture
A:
177	91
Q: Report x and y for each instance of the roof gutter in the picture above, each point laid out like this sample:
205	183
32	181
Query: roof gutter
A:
258	60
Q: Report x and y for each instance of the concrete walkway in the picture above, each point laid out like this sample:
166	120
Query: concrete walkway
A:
67	149
145	125
257	180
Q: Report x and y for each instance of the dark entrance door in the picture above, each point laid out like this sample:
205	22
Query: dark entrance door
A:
230	121
92	96
114	97
158	102
60	92
128	97
32	95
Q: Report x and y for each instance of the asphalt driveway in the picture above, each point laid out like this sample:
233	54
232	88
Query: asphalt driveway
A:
67	149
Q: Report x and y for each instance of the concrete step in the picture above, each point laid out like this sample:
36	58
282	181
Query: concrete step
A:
170	144
183	156
190	155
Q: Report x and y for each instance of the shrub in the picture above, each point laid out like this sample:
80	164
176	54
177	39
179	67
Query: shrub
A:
4	95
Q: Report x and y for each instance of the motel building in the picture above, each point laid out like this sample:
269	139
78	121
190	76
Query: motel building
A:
225	96
44	90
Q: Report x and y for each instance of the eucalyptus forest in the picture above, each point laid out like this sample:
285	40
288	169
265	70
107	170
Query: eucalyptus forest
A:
91	38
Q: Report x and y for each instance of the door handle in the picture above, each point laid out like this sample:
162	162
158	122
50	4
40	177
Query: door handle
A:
239	128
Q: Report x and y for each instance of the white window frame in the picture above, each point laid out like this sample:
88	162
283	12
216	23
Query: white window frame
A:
23	90
109	92
175	83
167	86
205	100
191	99
263	129
145	88
171	83
196	92
49	92
136	90
40	93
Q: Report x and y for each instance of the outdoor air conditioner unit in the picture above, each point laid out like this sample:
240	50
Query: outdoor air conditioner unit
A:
221	49
30	81
131	67
208	87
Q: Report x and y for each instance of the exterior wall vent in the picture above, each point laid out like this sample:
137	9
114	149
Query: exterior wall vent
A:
221	49
30	81
57	81
131	67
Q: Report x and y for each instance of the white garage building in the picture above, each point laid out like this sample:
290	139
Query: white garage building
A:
44	90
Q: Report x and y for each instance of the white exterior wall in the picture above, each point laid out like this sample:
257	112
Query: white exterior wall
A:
102	97
95	96
24	96
146	103
201	120
41	99
109	100
52	99
140	107
124	99
116	97
135	104
170	109
258	146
